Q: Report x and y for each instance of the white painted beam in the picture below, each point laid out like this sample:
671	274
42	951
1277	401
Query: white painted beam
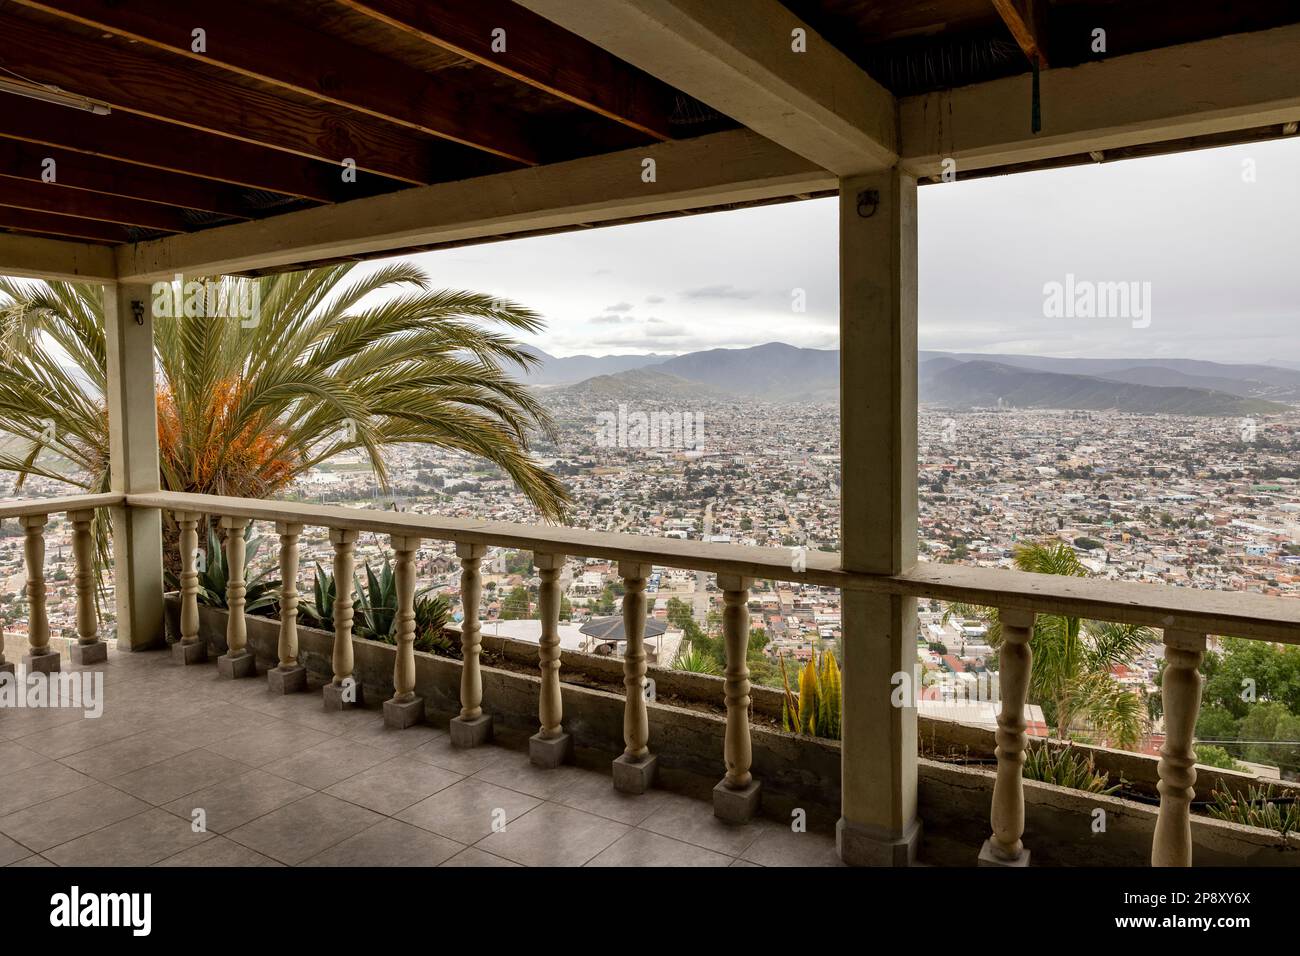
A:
742	59
32	257
1228	83
736	166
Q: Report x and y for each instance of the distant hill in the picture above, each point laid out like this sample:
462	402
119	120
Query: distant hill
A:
642	385
576	368
783	373
987	384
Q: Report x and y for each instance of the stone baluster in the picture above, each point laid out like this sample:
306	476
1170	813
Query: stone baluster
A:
6	667
736	798
1180	692
89	649
39	657
406	707
634	770
472	727
1015	662
343	690
550	746
189	649
237	661
288	676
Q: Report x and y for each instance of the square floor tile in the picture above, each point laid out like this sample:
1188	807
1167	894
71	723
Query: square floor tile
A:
38	783
75	736
122	756
174	777
394	785
552	835
391	843
304	828
140	840
595	793
234	802
218	852
376	733
70	816
692	821
14	756
515	771
643	848
473	856
781	846
327	763
463	760
12	852
466	811
264	745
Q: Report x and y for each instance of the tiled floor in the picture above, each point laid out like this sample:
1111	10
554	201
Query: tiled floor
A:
280	781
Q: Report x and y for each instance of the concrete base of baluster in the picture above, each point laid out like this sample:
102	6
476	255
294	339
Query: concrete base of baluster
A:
550	752
93	653
635	776
737	805
862	845
400	714
991	857
341	696
238	665
195	652
45	663
470	733
287	680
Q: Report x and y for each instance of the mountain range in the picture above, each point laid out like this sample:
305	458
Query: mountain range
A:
783	373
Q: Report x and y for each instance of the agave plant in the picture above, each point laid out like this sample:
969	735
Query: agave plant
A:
695	661
1066	767
318	610
263	592
377	604
1260	808
432	612
815	711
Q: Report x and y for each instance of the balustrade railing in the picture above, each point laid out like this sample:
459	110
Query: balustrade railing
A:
1185	617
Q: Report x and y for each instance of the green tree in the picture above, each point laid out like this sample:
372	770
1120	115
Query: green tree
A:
516	605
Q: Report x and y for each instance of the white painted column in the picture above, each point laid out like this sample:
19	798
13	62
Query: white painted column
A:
1180	692
878	344
133	464
1007	817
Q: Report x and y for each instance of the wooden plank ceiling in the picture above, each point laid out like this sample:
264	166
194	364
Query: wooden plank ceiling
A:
256	114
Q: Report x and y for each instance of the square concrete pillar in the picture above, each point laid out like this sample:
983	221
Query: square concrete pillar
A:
400	714
287	680
341	696
195	652
470	733
47	663
240	665
739	805
634	776
94	653
550	752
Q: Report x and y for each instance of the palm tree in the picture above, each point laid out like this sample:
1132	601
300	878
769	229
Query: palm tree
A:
1073	658
332	363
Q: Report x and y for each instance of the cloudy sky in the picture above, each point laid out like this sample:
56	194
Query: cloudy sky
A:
1216	233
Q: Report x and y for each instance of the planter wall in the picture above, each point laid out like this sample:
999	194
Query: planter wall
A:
797	771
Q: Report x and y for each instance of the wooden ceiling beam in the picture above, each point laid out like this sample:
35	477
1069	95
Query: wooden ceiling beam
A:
536	52
1027	22
256	42
111	178
168	91
755	62
66	201
134	139
49	224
